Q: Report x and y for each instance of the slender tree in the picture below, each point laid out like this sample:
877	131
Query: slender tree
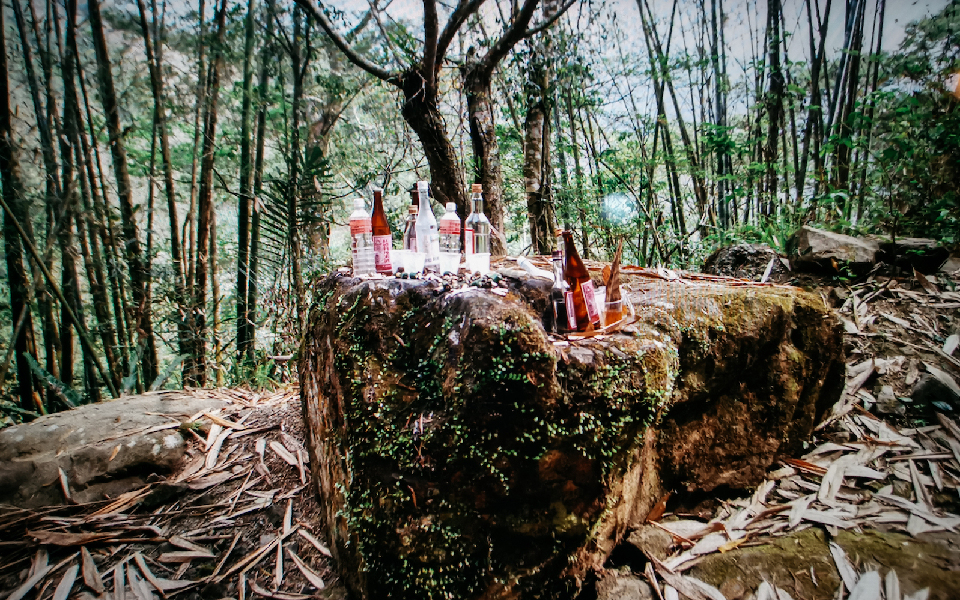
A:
139	277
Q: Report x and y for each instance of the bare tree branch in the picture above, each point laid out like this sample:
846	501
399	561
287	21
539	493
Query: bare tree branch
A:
430	32
464	9
317	11
553	19
510	37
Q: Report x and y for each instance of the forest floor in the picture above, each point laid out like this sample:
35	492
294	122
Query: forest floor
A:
240	518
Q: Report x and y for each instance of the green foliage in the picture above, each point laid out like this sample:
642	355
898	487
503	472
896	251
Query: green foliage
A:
70	397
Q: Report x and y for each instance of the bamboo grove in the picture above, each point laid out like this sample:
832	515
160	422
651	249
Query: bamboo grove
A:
175	175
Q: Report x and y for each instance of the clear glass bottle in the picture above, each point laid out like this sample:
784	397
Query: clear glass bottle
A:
382	236
581	287
476	238
450	229
410	229
428	234
361	233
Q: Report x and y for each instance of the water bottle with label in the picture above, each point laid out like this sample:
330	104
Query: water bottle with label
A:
450	229
361	233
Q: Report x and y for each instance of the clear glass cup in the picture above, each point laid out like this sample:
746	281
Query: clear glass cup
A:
479	263
449	262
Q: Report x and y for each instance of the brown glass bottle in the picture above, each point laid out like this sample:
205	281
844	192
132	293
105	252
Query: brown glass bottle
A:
382	236
581	286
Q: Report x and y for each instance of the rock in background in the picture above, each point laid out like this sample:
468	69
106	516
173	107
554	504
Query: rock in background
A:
103	449
460	451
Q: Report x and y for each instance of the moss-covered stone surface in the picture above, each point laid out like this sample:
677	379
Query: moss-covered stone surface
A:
460	453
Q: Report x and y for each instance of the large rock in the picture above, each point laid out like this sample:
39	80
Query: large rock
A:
104	449
461	452
747	261
829	250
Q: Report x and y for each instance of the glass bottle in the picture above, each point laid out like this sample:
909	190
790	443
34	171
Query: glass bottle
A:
410	229
361	233
560	296
382	236
428	234
476	237
450	229
581	287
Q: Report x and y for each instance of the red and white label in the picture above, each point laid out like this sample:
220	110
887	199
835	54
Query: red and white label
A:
571	311
360	226
468	240
591	301
381	252
449	227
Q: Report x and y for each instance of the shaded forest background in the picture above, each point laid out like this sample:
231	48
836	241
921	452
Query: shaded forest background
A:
175	175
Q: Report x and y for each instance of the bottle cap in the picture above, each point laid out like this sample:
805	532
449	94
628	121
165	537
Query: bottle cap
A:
557	254
476	188
413	209
359	204
451	207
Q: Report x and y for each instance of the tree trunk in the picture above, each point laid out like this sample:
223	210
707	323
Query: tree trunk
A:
422	113
14	197
139	277
197	374
486	151
156	85
534	163
246	192
774	107
293	209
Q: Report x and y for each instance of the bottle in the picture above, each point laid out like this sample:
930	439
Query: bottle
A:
361	232
581	287
450	229
410	229
428	235
382	237
560	296
476	238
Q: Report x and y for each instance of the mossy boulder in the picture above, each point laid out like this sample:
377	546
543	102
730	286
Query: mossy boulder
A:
460	452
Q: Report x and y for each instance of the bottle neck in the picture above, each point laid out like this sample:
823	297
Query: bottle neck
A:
557	271
477	203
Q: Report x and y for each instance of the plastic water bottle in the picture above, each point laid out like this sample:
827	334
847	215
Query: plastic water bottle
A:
428	235
450	229
361	232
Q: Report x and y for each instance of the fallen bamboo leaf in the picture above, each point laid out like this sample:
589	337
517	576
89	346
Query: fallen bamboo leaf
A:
66	583
688	586
91	576
210	481
276	595
59	538
186	544
311	576
278	568
27	585
138	585
732	544
288	516
892	586
226	555
925	283
658	509
943	377
223	422
212	436
162	585
65	486
113	454
185	556
847	573
119	585
321	548
283	453
242	586
867	588
214	451
951	343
